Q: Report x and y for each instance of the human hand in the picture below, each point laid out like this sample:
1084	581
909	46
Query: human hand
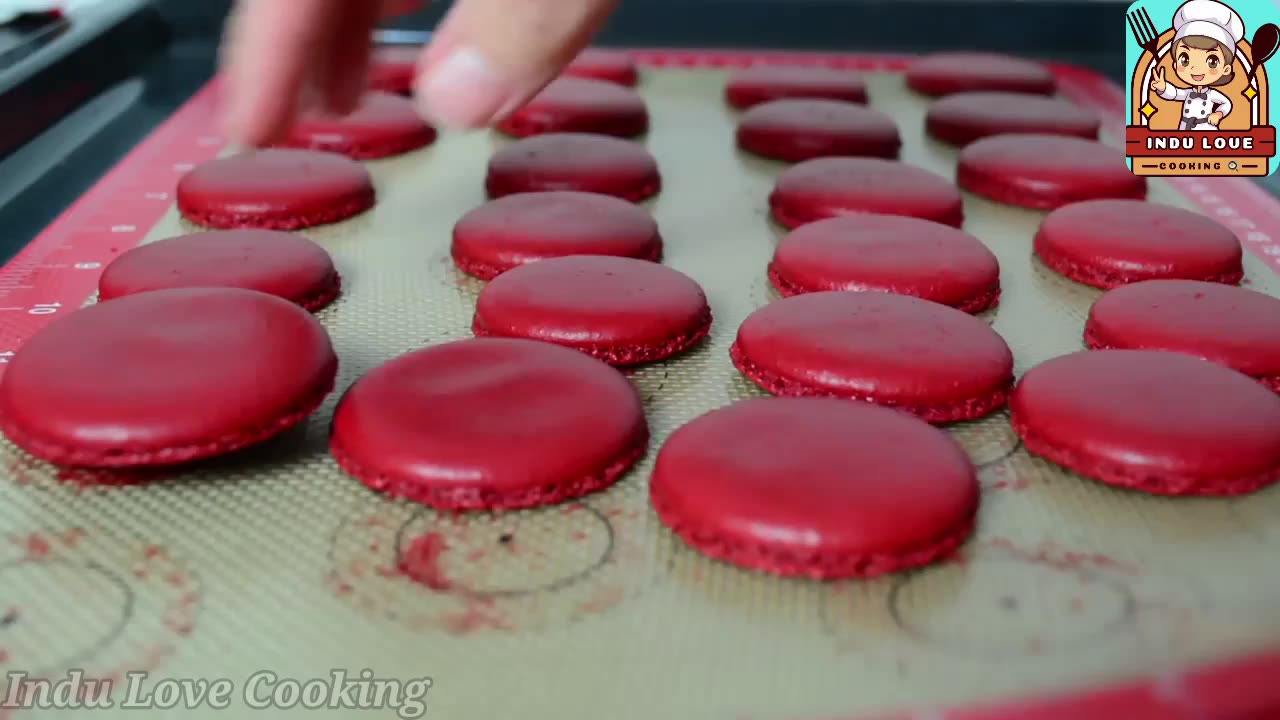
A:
1157	82
486	59
1214	118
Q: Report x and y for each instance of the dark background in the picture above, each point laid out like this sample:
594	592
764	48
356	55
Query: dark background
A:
75	96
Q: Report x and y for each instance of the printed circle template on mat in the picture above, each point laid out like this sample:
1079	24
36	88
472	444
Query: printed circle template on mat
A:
816	487
1108	243
763	83
796	130
519	229
1231	326
490	424
190	373
277	263
580	105
954	72
830	187
1160	422
620	310
918	356
1044	172
965	117
382	126
891	254
276	189
574	161
609	65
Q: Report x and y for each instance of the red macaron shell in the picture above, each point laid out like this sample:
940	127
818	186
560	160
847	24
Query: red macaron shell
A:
965	117
581	105
1231	326
394	68
277	189
902	255
1044	172
763	83
277	263
830	187
527	227
490	424
798	129
523	228
610	65
1160	422
574	161
620	310
899	351
954	72
1108	243
165	377
382	126
816	487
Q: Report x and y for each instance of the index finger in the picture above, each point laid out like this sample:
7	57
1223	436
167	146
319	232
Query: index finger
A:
270	47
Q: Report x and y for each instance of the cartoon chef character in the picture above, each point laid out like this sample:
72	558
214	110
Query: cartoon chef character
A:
1204	49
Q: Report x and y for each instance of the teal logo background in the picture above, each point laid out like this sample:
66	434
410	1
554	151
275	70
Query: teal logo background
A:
1254	13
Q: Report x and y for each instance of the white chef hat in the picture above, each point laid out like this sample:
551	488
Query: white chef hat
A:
1211	19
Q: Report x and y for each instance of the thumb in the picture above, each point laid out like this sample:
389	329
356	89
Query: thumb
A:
489	56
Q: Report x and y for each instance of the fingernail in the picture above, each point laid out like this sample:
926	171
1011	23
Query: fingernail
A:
463	90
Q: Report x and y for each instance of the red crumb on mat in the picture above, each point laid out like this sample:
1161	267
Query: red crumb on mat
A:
421	561
479	614
1054	555
602	601
36	546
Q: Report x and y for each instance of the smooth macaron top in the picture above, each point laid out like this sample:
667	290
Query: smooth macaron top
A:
507	416
1231	326
964	117
763	83
574	161
885	252
1162	413
952	72
893	348
275	182
175	374
801	129
612	65
382	124
586	300
1137	240
525	227
828	187
575	104
278	263
1046	171
815	476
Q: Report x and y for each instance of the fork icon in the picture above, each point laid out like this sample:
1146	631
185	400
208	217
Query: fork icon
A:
1144	31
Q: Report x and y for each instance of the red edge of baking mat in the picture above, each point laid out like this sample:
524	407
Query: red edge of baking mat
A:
58	270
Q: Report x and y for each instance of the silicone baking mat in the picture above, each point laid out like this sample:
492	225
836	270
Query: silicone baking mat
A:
275	560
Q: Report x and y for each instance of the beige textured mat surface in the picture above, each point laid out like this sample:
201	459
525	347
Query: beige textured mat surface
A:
275	560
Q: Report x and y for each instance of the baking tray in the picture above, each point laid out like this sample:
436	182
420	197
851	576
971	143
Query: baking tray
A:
275	560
